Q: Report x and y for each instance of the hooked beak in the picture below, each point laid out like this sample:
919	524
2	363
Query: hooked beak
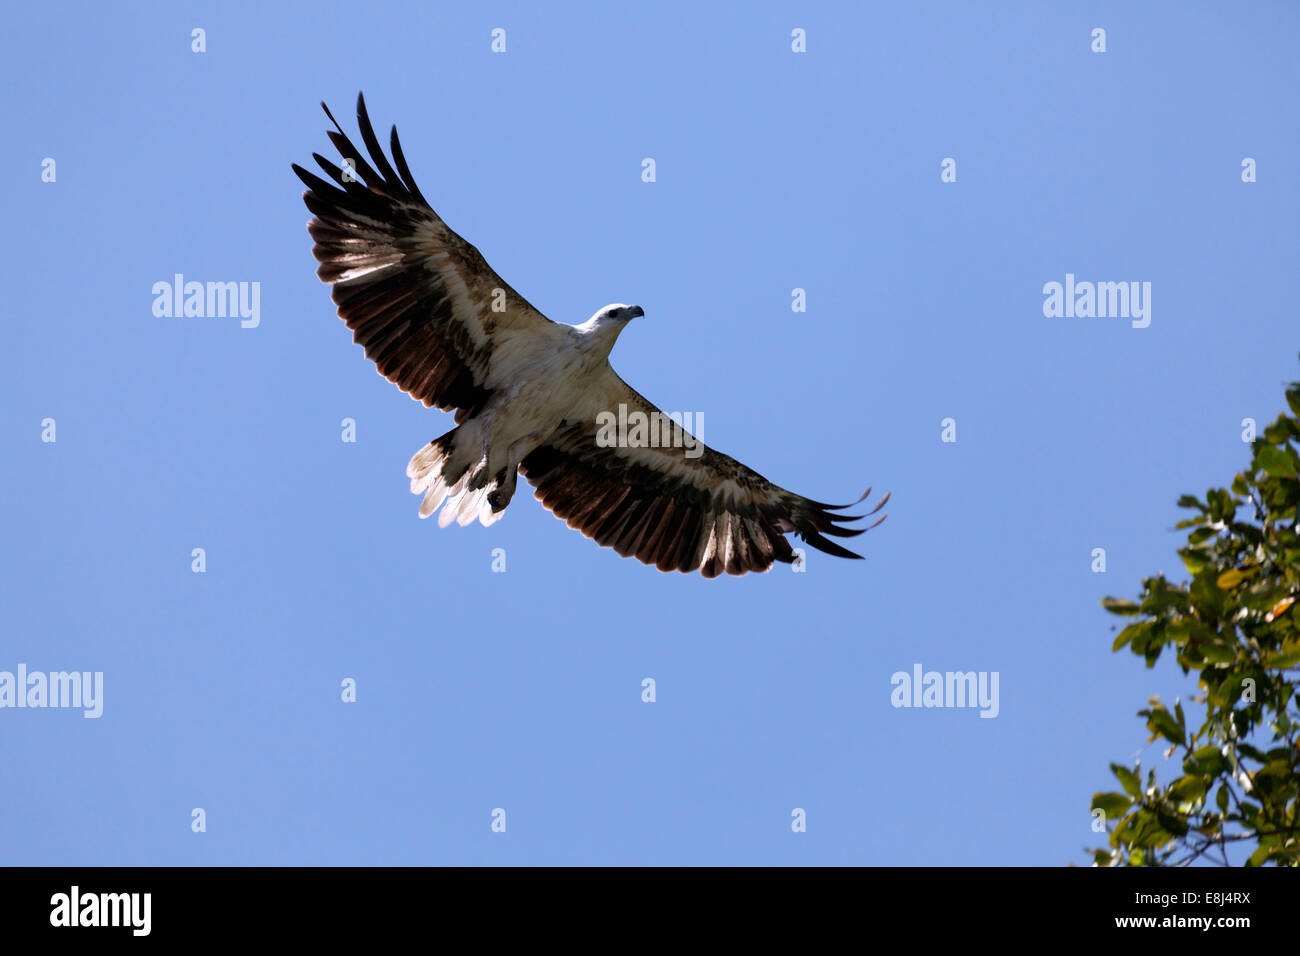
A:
635	312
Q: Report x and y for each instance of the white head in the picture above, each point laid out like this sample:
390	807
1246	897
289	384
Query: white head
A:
618	312
605	325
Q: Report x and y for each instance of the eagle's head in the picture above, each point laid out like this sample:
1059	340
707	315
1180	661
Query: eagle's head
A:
603	328
617	313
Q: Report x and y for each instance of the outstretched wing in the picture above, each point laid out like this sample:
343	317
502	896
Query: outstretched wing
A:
430	312
664	507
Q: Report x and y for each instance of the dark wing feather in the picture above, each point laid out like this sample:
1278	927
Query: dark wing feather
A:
708	513
418	298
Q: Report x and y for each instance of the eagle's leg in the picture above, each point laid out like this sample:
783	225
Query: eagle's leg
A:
507	477
505	481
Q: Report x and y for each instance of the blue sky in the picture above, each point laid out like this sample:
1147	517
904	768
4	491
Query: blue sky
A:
522	690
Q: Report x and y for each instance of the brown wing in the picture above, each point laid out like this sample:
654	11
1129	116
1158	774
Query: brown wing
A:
423	303
664	507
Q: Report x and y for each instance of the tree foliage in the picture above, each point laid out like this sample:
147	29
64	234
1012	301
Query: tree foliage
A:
1236	623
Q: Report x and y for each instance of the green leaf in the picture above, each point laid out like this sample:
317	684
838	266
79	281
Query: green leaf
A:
1206	760
1293	399
1218	653
1114	805
1120	606
1282	661
1171	823
1278	432
1276	462
1231	578
1221	504
1130	632
1161	722
1221	799
1187	788
1128	778
1201	534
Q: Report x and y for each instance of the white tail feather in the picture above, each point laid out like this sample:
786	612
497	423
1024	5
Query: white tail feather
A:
433	498
471	505
425	467
457	502
448	513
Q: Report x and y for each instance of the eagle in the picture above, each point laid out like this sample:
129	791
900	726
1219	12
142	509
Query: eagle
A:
531	396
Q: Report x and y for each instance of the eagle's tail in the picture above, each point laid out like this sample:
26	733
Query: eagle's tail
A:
451	473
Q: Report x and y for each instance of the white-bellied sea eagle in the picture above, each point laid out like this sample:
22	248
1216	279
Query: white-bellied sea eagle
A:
530	395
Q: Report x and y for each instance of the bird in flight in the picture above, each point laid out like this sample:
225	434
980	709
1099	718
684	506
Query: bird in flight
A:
531	396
